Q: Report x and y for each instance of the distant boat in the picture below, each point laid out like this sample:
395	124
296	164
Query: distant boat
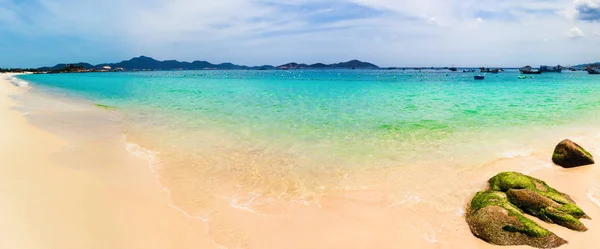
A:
479	77
547	69
522	77
593	70
453	69
529	70
489	70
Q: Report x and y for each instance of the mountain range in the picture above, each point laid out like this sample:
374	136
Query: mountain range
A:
147	63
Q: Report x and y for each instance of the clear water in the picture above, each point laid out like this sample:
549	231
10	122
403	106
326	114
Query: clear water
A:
304	128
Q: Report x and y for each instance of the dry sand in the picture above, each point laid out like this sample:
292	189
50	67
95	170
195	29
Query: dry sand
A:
65	187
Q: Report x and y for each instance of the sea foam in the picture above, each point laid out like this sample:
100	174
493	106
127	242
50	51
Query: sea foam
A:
18	83
515	154
594	195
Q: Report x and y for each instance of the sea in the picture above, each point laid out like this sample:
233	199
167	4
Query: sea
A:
263	141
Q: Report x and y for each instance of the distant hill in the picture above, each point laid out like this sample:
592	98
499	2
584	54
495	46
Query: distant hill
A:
143	62
349	64
62	66
582	66
147	63
354	64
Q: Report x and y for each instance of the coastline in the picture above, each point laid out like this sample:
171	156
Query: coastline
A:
50	200
352	219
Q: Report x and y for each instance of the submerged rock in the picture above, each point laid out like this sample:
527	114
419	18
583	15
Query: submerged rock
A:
535	197
569	154
494	219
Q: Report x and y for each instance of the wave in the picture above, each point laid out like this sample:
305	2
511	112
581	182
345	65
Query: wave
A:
594	195
515	154
153	164
151	157
18	83
245	203
409	198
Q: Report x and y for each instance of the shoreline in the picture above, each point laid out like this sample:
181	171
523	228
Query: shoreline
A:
55	200
347	219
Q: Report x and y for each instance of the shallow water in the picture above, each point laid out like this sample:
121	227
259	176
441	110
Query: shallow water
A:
390	142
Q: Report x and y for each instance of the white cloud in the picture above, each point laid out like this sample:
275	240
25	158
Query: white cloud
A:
433	21
576	33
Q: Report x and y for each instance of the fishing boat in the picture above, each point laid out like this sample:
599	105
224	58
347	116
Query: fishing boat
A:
529	70
479	77
547	69
593	70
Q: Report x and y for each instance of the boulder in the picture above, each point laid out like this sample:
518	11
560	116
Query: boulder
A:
545	208
535	197
494	219
569	154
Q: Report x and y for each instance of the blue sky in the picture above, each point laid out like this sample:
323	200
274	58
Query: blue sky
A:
37	33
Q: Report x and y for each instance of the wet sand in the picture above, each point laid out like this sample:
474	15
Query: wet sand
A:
70	180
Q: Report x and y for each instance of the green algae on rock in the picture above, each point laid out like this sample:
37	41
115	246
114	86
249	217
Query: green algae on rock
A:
569	154
107	107
535	197
494	219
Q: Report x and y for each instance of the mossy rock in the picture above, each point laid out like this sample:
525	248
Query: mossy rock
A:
546	209
494	219
569	154
535	197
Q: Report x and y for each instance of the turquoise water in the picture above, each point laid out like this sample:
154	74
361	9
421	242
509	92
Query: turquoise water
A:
348	104
315	119
340	107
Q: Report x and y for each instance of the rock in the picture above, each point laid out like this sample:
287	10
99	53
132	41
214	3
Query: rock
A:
544	208
535	197
569	154
494	219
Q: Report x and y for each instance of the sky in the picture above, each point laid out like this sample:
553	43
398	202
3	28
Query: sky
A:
36	33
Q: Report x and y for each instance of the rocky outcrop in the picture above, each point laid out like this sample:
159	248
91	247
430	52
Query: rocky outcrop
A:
496	215
535	197
494	219
569	154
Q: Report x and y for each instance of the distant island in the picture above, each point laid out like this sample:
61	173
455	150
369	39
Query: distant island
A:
349	64
144	63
